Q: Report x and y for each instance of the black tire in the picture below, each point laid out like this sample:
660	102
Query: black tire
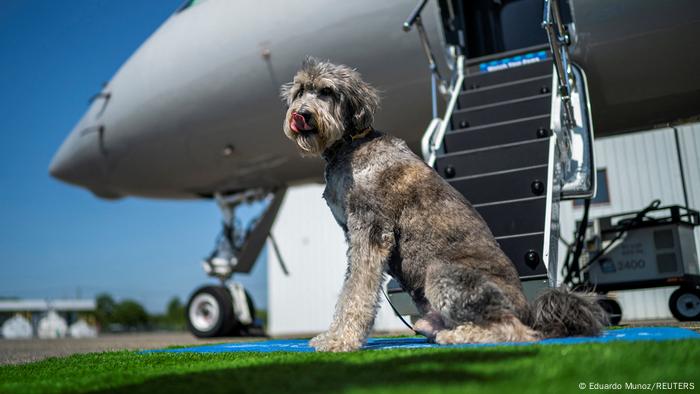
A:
684	304
613	309
209	312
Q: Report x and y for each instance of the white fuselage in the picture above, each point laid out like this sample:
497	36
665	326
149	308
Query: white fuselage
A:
196	108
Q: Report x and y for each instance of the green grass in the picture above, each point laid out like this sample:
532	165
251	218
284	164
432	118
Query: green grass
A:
528	369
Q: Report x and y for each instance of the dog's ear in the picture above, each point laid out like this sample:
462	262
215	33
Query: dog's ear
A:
286	93
364	103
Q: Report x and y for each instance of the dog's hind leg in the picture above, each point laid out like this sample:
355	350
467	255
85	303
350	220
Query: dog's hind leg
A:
474	308
508	329
430	325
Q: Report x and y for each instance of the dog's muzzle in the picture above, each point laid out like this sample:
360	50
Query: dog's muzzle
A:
298	123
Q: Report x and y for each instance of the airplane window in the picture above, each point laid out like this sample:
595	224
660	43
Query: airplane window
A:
187	4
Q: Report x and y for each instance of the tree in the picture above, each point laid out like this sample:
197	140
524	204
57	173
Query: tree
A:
105	309
130	314
175	314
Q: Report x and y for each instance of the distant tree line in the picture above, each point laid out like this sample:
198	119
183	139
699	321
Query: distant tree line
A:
130	315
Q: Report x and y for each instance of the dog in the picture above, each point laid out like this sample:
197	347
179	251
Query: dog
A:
401	218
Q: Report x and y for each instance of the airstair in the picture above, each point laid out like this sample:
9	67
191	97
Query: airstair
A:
498	151
515	136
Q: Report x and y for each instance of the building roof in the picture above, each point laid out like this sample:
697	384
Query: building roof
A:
36	305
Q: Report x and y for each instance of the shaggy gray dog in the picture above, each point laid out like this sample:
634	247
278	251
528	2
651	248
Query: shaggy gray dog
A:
400	217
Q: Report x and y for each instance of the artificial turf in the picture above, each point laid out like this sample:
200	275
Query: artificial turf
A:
527	369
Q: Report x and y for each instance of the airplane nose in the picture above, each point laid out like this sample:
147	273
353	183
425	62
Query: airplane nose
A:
63	162
74	162
80	161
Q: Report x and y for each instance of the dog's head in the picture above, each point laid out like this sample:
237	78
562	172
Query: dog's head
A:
326	101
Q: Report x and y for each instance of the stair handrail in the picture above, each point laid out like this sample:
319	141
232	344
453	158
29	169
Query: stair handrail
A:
559	41
415	15
576	143
434	135
437	81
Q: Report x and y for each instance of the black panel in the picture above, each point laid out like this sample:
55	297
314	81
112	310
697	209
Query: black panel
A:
451	28
541	68
517	249
532	106
515	217
485	136
502	187
492	160
521	21
497	26
511	91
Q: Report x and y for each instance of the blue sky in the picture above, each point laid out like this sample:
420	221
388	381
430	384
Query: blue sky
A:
57	240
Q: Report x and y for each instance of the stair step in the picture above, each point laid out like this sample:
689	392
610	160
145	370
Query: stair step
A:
490	160
497	154
515	217
498	133
517	247
504	92
484	79
502	111
512	185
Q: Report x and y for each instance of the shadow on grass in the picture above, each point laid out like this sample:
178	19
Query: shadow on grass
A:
434	371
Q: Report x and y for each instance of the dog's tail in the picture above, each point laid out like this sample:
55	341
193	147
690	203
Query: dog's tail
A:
559	312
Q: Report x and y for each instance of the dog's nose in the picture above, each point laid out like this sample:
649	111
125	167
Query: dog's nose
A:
305	113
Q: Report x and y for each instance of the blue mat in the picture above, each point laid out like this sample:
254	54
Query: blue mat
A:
302	345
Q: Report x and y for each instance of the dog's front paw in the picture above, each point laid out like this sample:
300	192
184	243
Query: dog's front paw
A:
328	342
318	339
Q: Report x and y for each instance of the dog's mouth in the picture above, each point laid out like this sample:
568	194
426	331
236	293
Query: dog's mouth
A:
299	125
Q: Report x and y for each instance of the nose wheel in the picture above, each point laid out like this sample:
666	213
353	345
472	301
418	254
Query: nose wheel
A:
219	311
228	310
210	312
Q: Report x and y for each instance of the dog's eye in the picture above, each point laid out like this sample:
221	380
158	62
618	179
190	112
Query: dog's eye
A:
299	92
326	92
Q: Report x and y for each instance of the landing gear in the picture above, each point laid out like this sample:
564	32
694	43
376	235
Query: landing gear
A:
212	312
612	309
684	304
228	309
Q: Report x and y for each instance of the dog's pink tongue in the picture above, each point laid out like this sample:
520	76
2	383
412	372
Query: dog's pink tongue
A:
298	123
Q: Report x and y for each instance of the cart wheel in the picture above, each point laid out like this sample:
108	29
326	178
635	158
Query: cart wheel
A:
685	304
210	312
612	309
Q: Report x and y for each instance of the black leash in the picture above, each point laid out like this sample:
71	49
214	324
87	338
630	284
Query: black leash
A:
396	312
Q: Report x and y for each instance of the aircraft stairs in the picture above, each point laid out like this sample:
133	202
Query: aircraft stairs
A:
515	138
498	151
